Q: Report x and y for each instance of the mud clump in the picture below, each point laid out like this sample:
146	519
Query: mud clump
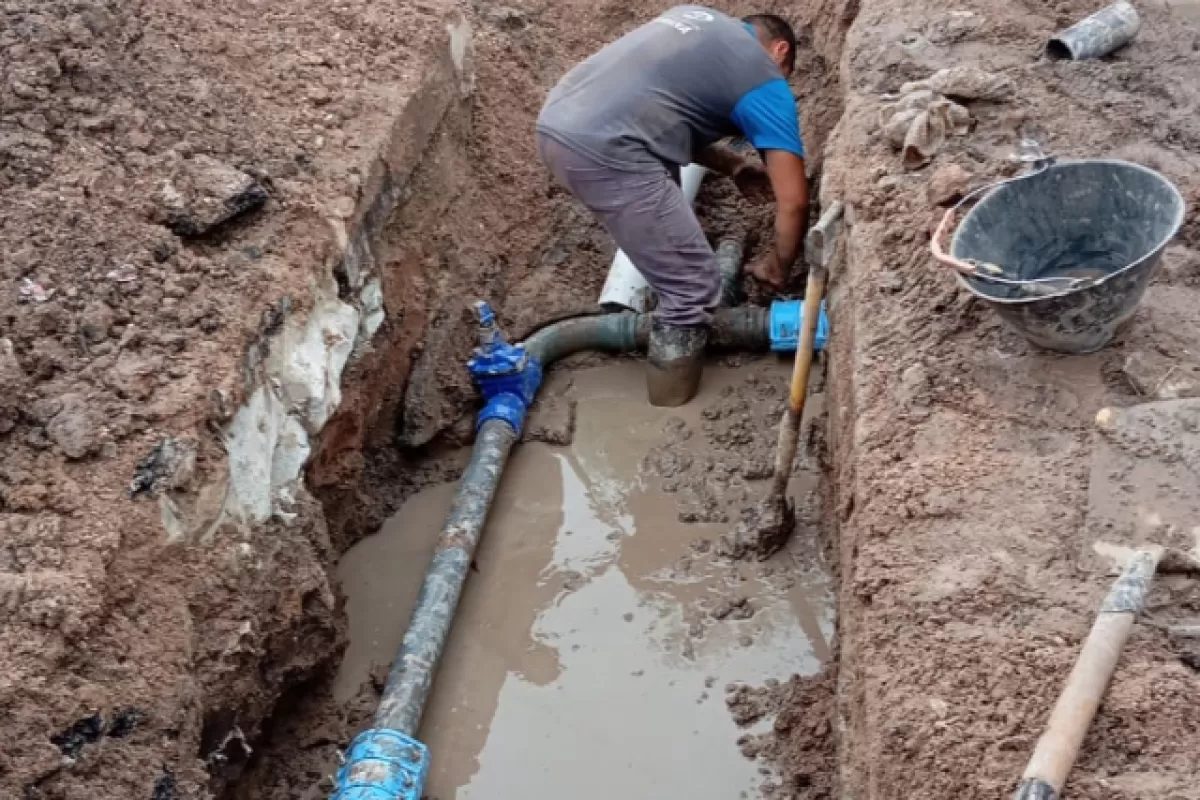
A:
801	747
761	532
733	608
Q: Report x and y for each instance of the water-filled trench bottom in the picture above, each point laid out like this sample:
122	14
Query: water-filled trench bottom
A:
591	651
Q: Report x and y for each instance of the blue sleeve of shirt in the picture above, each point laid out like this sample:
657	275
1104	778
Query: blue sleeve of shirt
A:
767	116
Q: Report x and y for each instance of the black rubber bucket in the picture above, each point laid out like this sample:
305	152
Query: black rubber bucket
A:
1105	219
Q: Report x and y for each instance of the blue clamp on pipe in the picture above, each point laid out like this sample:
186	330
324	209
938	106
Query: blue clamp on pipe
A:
383	764
786	317
506	375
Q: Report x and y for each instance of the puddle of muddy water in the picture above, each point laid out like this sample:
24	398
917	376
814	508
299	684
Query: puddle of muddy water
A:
586	658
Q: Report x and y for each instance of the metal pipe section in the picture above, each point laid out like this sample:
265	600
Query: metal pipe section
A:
729	262
625	288
387	762
412	673
746	328
1104	32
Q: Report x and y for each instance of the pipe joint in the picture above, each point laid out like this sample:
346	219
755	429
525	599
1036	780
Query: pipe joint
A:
506	407
383	764
785	322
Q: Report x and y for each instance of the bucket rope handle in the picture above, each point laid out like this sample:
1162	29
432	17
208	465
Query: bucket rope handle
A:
969	268
982	270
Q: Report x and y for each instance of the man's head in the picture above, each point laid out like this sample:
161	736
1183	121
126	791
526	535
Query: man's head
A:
777	36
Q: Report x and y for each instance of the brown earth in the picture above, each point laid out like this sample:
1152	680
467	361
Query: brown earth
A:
135	664
962	452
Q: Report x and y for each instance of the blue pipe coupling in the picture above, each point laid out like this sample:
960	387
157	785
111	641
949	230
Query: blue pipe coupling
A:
383	764
785	321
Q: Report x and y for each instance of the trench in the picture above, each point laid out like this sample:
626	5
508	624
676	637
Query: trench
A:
600	627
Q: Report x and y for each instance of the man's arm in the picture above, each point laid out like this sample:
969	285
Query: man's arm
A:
790	184
767	115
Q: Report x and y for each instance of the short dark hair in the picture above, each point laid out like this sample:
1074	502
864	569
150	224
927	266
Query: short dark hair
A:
776	29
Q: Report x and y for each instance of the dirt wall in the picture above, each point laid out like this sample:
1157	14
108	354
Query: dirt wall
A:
151	616
962	452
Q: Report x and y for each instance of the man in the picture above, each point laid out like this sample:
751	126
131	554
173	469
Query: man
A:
619	127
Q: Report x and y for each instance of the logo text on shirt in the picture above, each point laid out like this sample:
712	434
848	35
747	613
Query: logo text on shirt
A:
690	21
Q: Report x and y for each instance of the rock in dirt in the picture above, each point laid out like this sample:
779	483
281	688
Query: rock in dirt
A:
948	185
96	321
1157	377
135	376
170	466
14	381
74	428
204	193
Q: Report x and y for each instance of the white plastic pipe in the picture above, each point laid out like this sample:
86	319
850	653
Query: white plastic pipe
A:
625	286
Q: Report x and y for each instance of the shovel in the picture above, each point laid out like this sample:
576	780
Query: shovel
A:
766	528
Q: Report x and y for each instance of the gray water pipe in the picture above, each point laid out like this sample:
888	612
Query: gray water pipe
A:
387	762
1104	32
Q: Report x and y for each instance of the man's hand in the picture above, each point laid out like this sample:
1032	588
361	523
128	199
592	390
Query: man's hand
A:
768	270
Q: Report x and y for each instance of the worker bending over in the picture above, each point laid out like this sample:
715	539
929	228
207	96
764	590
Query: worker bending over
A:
617	130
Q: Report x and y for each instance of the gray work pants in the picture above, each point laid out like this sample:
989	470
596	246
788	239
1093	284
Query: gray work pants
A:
650	219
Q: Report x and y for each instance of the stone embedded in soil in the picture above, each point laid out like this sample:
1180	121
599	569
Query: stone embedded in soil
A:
14	381
204	193
96	321
948	185
74	428
1158	377
169	466
135	376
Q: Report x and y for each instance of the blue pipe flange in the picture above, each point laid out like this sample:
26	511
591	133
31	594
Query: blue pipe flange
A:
383	764
506	375
786	319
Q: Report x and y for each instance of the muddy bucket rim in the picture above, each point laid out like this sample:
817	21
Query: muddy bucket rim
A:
1176	224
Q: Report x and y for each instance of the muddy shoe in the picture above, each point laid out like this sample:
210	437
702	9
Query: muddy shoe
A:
674	365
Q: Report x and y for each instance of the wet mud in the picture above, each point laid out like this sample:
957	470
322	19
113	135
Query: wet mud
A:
595	644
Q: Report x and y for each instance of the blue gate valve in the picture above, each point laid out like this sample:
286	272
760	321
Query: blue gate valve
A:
506	375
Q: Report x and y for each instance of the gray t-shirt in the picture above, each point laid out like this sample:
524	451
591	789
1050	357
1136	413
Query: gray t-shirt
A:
670	88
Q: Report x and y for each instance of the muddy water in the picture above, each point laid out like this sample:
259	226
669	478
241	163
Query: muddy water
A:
586	658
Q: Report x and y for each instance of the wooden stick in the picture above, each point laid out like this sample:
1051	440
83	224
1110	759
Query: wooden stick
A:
819	246
1058	747
789	426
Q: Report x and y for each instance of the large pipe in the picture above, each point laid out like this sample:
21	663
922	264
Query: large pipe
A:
625	288
1104	32
387	762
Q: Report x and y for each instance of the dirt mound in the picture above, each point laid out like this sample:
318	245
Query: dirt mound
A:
801	746
167	172
969	577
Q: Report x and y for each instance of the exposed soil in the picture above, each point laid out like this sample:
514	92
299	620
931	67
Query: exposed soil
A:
802	743
969	568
